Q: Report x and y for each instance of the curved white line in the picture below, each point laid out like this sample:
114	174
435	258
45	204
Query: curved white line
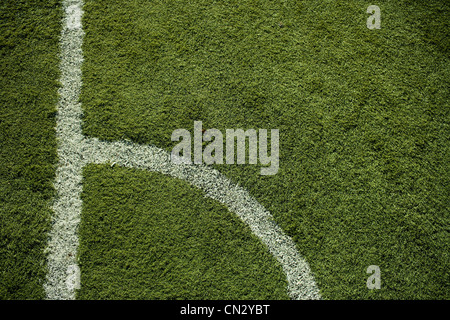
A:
75	151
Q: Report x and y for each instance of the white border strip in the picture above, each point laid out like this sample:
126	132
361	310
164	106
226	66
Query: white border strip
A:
75	151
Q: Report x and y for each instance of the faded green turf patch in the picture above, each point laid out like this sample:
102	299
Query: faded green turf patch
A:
144	235
29	73
363	119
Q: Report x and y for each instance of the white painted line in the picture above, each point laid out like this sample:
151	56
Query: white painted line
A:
63	238
73	16
73	277
75	151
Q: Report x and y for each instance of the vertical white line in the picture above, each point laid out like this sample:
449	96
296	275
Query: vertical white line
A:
63	272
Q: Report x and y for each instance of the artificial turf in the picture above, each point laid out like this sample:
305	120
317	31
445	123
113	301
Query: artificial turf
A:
144	235
363	119
29	80
362	114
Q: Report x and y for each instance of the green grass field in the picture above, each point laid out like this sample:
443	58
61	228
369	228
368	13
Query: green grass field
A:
164	240
29	80
364	145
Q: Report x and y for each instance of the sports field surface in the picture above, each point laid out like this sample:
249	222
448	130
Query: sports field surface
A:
91	206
